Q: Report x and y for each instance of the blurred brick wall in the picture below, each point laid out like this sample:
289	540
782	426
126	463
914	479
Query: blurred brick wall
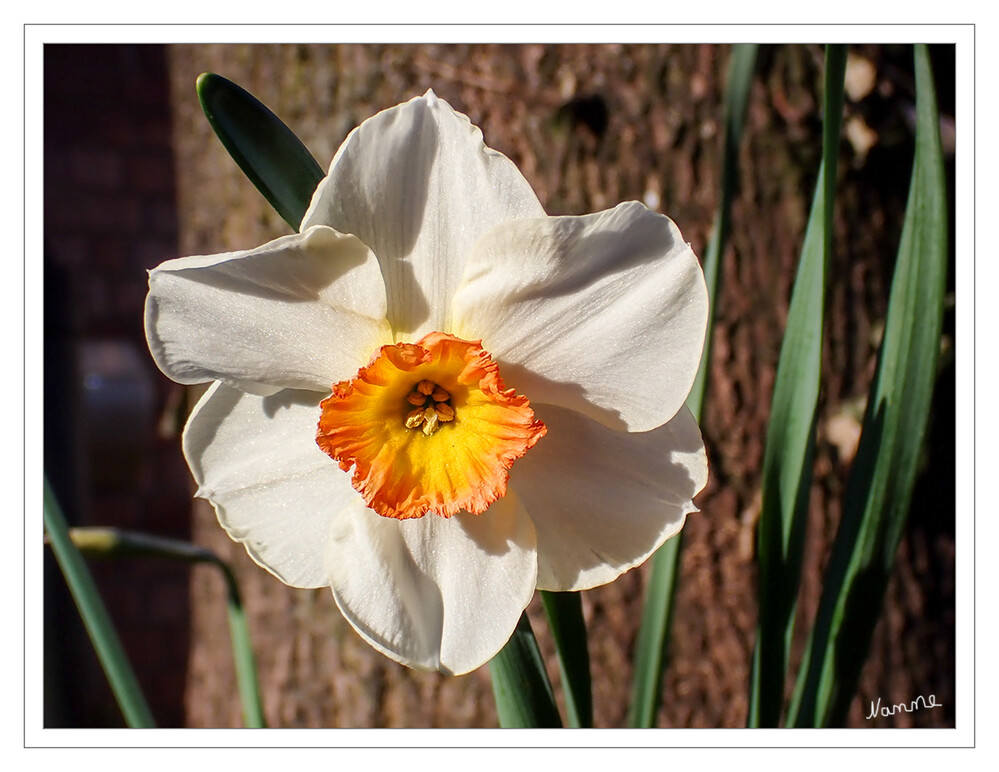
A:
110	214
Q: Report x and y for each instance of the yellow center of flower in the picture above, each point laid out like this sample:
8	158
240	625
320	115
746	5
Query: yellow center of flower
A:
428	427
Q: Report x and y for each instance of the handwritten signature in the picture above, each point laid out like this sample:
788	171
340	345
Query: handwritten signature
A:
891	710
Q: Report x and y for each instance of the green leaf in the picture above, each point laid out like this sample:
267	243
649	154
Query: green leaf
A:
115	543
879	490
95	617
740	78
242	653
787	460
565	618
524	696
653	633
267	151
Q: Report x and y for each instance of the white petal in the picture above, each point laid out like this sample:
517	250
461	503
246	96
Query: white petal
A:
604	314
300	312
417	184
256	459
434	593
602	501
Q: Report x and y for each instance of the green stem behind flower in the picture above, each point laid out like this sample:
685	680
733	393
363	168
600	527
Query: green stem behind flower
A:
565	618
524	696
95	617
115	543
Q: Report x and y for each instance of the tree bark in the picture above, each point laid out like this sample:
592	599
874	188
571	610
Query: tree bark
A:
591	126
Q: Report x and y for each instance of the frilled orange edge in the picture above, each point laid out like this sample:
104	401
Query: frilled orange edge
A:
428	427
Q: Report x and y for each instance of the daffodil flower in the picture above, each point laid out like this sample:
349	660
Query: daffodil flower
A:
435	398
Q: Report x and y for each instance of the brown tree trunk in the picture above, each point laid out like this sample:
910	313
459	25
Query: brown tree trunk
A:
591	126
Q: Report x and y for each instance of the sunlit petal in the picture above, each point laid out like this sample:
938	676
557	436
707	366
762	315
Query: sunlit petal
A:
418	185
300	312
601	500
274	491
604	314
434	593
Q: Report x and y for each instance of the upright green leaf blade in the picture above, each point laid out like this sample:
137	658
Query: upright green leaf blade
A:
523	692
657	614
653	634
95	617
266	150
883	474
565	618
244	661
740	78
787	460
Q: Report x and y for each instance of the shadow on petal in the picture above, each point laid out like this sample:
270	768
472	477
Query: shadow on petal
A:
378	189
630	236
381	589
287	398
318	259
603	501
567	394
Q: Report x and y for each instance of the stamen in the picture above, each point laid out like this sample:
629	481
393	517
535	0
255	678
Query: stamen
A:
416	398
430	421
414	419
433	407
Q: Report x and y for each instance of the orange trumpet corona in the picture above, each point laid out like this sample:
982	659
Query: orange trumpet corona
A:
428	427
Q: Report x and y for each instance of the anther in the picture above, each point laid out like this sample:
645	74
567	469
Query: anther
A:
414	419
430	421
432	408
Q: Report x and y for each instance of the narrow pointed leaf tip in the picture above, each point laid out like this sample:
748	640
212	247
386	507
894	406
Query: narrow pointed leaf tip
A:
268	152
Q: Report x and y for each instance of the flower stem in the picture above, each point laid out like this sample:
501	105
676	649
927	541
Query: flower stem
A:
565	618
95	617
115	543
524	696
